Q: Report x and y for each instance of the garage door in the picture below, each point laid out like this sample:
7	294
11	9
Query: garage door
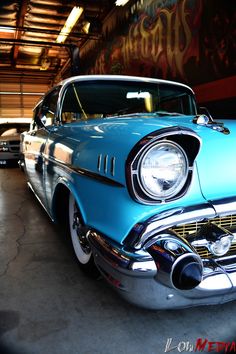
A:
18	100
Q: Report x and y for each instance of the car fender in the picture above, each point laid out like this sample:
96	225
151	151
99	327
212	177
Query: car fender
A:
64	186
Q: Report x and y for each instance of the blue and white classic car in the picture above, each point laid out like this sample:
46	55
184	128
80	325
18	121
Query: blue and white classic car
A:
146	185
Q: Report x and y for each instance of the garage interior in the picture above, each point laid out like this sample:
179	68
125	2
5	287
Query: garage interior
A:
47	305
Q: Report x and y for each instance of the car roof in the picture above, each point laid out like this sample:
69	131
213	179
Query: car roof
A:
120	78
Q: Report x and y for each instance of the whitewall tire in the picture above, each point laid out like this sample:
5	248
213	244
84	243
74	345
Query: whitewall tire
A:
78	233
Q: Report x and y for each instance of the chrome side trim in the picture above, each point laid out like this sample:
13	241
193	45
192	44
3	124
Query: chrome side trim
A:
168	219
105	163
99	162
84	172
40	201
113	164
96	176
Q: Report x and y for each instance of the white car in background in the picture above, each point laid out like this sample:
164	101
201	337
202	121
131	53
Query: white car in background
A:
10	141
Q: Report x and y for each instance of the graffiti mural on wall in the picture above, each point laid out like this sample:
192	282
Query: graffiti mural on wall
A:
188	40
156	44
167	41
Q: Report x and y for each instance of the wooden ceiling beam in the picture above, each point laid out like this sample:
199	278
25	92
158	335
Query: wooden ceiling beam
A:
20	23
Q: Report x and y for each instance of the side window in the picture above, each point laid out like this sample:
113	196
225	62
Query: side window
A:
48	108
71	108
36	117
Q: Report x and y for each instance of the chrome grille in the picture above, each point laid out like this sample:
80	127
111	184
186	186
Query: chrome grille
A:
204	252
228	222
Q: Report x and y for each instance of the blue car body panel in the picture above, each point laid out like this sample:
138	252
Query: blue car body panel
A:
157	252
100	137
97	200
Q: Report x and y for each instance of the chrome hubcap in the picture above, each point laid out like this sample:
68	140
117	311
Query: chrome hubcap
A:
81	233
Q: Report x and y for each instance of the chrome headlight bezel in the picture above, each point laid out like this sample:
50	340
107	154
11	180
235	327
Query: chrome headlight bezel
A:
183	138
170	160
164	150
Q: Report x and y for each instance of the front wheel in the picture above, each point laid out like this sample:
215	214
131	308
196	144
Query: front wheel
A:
81	246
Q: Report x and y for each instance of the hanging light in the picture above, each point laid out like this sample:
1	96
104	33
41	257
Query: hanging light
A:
70	22
121	2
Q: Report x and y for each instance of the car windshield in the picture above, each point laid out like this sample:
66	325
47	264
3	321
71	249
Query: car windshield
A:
12	129
98	99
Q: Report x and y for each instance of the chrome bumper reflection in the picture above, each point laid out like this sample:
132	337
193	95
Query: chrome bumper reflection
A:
135	275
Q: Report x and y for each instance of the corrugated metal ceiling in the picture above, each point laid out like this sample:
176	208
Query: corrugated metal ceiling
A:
28	32
30	59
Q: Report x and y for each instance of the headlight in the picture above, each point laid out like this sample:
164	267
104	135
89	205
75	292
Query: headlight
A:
3	143
163	170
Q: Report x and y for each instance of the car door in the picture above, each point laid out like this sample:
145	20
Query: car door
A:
35	142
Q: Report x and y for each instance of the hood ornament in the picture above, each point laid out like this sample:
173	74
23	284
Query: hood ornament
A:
207	121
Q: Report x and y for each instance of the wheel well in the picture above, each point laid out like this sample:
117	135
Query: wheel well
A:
60	205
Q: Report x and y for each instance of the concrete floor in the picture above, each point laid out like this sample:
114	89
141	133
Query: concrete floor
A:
48	306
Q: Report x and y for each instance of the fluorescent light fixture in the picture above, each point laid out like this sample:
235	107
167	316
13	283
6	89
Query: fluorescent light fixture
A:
121	2
70	22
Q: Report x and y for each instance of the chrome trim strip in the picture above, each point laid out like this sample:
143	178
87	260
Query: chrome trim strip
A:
40	201
113	164
105	163
96	176
84	172
173	217
99	162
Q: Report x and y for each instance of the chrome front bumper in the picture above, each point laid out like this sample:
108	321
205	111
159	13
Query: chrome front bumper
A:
142	281
135	277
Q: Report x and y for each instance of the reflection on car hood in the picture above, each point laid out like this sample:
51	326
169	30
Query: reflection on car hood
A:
117	136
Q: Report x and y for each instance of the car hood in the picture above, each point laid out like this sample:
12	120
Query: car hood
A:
10	137
115	137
